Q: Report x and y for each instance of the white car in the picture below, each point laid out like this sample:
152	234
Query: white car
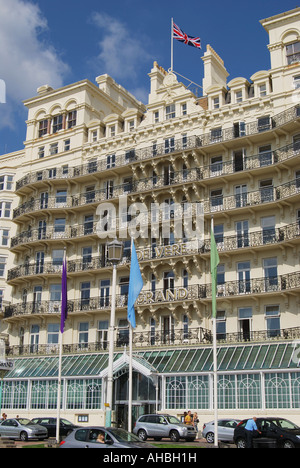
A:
225	430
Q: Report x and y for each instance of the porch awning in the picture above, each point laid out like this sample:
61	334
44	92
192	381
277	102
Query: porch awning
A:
139	364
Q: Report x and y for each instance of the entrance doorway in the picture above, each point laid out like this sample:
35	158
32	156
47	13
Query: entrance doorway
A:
144	396
137	411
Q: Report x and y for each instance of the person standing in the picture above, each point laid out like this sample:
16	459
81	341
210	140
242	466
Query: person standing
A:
188	418
250	428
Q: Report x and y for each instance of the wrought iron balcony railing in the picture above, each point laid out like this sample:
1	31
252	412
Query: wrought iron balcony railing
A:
192	142
157	338
251	287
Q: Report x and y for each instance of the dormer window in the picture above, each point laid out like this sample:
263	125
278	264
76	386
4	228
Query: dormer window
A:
262	90
170	112
239	96
293	53
216	103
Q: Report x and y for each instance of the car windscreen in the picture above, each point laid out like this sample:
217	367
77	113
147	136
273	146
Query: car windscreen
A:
285	424
25	422
123	436
172	420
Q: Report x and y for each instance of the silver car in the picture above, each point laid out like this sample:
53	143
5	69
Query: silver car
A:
225	430
102	437
163	425
22	428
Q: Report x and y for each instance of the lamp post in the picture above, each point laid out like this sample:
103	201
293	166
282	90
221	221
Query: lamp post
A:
114	253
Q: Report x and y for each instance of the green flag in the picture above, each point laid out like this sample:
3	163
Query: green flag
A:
214	262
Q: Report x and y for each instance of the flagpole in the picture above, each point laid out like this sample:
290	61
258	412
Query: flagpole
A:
215	363
59	387
60	367
135	287
172	27
130	380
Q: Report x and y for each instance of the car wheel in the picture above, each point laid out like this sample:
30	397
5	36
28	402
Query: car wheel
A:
142	434
174	436
241	443
24	436
210	437
288	444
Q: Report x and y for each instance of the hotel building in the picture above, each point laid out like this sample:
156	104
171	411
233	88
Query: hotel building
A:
93	156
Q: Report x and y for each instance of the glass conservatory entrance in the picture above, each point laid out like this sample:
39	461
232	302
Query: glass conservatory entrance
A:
145	398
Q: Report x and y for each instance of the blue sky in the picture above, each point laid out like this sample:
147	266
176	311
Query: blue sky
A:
60	42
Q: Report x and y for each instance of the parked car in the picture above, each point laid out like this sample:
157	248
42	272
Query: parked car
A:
225	430
65	426
22	428
102	437
163	425
284	432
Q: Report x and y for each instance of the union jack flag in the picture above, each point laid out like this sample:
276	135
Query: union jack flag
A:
183	37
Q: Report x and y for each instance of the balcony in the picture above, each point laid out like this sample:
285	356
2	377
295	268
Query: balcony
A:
254	286
148	153
103	302
157	339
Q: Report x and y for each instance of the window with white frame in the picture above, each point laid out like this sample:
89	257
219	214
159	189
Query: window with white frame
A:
52	333
6	182
4	237
170	111
293	53
2	266
83	334
5	209
272	315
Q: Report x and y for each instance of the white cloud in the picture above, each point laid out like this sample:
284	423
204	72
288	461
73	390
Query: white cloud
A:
27	61
121	51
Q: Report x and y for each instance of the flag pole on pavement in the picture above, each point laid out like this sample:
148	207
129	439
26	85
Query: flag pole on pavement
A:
135	287
64	313
214	261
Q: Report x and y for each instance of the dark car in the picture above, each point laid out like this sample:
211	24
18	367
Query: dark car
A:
65	427
282	432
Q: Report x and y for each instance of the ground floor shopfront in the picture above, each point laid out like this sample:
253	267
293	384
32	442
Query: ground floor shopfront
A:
260	378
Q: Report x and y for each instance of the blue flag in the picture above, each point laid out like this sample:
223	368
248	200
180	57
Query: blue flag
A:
135	285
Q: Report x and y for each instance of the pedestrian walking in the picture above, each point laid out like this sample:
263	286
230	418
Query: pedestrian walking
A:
250	430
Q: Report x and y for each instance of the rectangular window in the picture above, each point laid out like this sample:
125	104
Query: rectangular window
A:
83	335
41	152
72	117
6	182
85	293
67	145
5	209
110	161
268	229
272	314
265	155
102	334
2	266
61	198
170	112
59	225
57	123
53	333
293	53
4	237
43	128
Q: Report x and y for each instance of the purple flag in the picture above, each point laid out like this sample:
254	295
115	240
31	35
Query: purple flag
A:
64	298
